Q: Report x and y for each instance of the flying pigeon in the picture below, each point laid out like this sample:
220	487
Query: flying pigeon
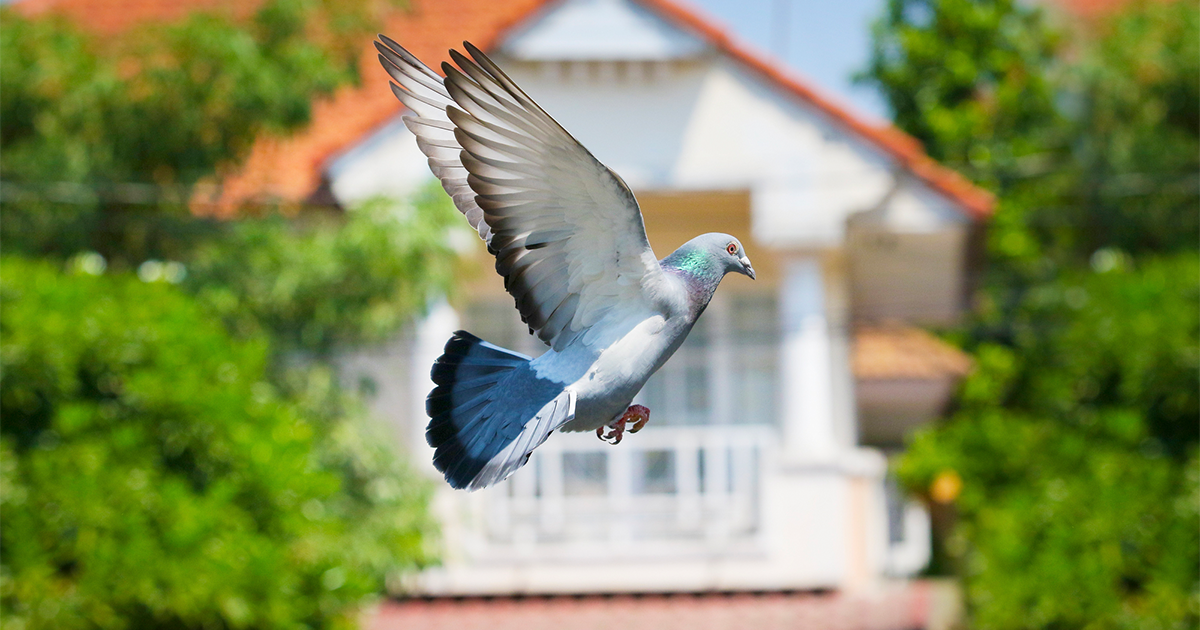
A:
569	240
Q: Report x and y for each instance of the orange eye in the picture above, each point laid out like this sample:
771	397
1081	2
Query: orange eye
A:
732	249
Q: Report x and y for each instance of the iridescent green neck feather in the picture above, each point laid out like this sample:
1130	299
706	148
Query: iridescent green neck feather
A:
694	262
699	272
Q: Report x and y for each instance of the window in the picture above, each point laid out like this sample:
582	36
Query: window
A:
754	324
726	370
497	321
654	473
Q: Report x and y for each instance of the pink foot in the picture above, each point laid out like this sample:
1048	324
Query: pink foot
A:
639	414
615	430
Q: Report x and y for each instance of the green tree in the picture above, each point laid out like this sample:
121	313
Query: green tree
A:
176	448
978	83
971	80
1076	445
154	477
323	282
1076	436
104	141
1135	97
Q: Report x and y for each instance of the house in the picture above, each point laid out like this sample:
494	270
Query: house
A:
764	463
764	466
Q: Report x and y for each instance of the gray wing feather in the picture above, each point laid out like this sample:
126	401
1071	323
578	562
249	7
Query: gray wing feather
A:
421	90
567	233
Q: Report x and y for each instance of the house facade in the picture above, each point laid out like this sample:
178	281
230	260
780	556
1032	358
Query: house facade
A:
764	465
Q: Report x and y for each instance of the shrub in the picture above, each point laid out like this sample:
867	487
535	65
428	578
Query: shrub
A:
153	477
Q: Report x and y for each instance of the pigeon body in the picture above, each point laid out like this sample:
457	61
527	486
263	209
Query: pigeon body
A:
570	243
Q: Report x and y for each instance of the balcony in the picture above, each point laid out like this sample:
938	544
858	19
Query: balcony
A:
668	492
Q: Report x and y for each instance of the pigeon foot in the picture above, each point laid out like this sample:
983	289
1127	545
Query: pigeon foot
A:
615	430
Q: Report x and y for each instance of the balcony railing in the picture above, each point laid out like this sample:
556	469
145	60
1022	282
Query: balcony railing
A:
664	491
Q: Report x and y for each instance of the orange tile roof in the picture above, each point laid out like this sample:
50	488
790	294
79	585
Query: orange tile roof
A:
110	17
290	169
1096	8
901	352
895	607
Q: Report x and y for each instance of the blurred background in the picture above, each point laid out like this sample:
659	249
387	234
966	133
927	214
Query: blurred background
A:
963	391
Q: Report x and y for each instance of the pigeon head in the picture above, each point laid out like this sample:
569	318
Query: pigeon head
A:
704	260
710	256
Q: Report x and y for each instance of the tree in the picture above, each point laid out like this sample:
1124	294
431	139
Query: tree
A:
1076	447
1075	439
176	450
1137	132
104	141
326	283
153	476
973	81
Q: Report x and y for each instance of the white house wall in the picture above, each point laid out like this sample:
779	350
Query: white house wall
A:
700	124
634	116
600	29
388	163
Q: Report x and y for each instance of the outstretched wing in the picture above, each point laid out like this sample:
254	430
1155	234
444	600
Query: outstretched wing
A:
567	233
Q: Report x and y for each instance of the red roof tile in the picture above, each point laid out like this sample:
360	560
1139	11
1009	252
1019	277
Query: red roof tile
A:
290	169
1096	8
901	352
109	17
900	607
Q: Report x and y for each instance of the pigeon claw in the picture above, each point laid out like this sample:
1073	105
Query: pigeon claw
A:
639	414
612	432
615	430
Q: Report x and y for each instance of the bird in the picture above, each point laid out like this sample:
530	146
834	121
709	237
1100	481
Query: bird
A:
570	243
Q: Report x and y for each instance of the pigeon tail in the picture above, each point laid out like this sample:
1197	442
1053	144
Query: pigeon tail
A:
488	411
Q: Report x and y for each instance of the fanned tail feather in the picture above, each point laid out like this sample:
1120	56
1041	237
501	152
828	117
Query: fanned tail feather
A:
481	410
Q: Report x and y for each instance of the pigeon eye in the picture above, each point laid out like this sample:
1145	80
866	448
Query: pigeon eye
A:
732	249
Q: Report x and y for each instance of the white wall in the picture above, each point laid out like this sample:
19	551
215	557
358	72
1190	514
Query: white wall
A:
704	123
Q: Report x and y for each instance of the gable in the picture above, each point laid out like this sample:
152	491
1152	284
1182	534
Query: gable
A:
599	30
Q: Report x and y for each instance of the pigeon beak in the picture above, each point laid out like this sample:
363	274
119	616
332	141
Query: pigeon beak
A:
746	268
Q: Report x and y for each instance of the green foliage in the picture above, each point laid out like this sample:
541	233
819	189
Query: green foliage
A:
153	477
177	451
1136	96
980	84
104	141
1076	444
1076	437
972	80
326	282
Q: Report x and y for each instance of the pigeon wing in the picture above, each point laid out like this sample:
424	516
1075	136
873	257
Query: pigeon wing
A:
566	231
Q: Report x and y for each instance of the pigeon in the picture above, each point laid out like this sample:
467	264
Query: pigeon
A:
570	243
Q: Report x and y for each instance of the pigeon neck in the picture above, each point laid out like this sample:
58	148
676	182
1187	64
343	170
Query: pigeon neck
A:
699	273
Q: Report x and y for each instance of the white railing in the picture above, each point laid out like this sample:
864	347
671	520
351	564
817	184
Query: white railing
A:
667	490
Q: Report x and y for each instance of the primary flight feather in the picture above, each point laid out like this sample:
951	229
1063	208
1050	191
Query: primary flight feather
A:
568	238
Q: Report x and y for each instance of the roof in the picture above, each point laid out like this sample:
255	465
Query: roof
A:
1095	8
110	17
903	353
291	169
895	607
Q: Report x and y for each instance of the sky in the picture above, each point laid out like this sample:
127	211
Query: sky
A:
826	41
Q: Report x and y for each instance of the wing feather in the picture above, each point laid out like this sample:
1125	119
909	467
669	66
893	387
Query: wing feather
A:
567	233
